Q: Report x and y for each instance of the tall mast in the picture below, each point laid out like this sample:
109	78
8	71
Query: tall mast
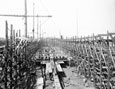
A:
40	29
25	18
37	28
77	22
33	20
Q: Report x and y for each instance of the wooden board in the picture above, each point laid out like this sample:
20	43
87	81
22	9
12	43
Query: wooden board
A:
48	68
59	67
57	83
60	62
39	83
2	47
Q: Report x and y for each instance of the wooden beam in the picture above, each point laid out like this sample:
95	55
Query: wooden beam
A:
39	83
57	82
59	69
8	15
48	68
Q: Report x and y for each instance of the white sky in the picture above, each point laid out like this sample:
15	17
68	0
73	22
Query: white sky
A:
92	16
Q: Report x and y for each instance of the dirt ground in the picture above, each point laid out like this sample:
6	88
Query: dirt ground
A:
73	81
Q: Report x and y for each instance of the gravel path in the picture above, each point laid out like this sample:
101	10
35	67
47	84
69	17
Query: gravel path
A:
73	81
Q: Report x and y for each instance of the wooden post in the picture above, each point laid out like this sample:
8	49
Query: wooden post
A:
16	34
93	64
13	35
108	63
14	38
11	38
37	28
11	57
6	55
7	36
25	18
33	20
100	65
19	33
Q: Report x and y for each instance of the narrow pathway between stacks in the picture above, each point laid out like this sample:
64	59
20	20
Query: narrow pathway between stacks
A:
71	79
74	81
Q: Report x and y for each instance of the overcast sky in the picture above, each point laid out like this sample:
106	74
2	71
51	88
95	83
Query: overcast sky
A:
69	17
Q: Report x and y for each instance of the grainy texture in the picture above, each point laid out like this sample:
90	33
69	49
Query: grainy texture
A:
73	81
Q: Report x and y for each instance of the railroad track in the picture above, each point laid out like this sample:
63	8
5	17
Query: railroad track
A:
51	68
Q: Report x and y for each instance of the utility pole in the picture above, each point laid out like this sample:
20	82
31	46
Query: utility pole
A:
25	18
7	44
77	22
40	29
37	28
33	20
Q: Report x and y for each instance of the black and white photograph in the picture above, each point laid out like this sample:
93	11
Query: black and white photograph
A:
57	44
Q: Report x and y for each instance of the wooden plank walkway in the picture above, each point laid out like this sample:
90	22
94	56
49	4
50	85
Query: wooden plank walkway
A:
39	83
57	84
59	69
48	68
